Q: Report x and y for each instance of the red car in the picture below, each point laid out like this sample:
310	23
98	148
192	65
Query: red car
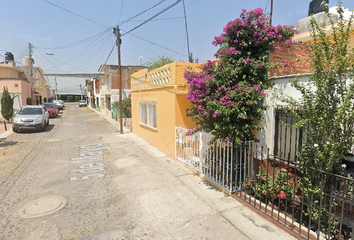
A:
52	109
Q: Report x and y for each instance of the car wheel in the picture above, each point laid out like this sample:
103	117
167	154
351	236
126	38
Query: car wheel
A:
15	130
47	123
44	127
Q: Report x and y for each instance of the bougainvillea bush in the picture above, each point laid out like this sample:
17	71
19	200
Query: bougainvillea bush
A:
228	93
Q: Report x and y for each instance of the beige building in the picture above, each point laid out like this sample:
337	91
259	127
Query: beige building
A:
17	84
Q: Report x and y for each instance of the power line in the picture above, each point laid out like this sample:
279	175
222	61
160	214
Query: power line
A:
10	37
75	14
157	45
109	54
160	19
156	15
98	50
81	41
122	23
121	9
86	49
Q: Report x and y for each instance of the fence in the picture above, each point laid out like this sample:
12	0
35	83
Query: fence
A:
311	203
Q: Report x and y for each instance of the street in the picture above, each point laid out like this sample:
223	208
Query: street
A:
81	179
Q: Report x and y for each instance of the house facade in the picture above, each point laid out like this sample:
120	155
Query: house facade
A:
276	135
109	87
159	104
17	84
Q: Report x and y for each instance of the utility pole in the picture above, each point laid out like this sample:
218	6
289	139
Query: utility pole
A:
271	12
119	42
30	73
56	88
81	91
185	20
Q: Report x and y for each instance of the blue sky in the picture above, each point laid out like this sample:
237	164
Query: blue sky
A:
89	23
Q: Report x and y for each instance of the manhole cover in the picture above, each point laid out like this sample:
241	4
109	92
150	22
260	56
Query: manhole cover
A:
42	206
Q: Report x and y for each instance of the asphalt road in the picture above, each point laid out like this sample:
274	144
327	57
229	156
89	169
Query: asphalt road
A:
81	179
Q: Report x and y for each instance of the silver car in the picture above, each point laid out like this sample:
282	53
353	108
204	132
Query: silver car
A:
31	118
59	104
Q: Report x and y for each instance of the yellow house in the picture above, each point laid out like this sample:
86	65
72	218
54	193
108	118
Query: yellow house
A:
40	85
159	104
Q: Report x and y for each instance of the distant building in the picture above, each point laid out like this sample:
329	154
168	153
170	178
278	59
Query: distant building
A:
109	87
67	84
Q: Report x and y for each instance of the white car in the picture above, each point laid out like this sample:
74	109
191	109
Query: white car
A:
31	118
82	103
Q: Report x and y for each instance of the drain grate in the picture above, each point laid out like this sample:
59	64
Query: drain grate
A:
42	206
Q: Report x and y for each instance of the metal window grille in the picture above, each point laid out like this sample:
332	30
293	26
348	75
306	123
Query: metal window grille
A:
152	116
287	138
143	113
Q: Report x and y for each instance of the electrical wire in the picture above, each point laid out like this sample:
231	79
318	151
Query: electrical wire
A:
265	9
121	9
156	15
160	19
85	50
129	19
81	41
8	36
75	14
137	7
178	9
98	50
109	55
158	45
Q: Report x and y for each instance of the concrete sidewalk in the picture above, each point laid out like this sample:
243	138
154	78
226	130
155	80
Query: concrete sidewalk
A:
231	219
5	133
223	216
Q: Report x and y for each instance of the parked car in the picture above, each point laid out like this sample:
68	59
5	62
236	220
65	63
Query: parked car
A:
31	117
52	109
62	103
82	103
59	104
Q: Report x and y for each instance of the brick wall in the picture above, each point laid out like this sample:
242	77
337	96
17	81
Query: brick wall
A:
295	55
127	71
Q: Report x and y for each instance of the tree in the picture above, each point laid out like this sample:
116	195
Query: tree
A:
7	103
228	93
325	112
159	62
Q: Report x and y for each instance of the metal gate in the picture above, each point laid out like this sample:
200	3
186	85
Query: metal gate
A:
222	162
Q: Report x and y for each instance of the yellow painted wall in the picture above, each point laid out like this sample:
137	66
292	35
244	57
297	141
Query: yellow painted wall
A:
43	87
171	103
163	137
182	104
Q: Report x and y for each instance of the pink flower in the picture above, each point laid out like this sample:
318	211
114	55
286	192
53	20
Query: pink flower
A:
282	195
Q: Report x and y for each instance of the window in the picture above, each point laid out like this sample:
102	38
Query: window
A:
287	139
148	114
